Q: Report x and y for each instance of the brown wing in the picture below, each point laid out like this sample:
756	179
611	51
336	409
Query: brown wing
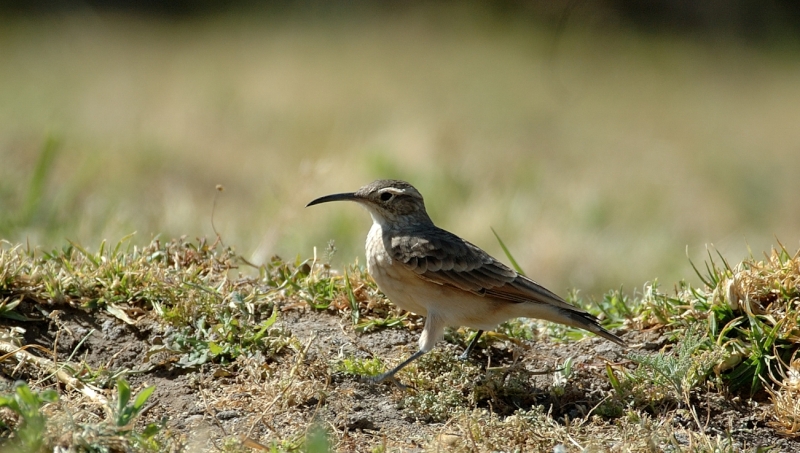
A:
444	258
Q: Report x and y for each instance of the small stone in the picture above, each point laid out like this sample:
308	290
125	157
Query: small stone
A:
229	414
449	439
359	423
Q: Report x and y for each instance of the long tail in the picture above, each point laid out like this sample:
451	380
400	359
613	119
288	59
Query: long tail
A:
535	301
571	316
588	322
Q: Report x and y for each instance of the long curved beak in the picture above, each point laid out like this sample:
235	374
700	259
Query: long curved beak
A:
349	196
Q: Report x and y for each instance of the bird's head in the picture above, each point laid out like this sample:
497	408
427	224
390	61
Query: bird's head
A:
387	200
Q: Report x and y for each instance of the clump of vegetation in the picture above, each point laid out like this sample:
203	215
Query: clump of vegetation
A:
361	367
187	285
749	312
537	430
738	333
441	384
39	428
786	401
31	425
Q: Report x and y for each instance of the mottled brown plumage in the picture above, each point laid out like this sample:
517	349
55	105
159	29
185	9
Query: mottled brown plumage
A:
432	272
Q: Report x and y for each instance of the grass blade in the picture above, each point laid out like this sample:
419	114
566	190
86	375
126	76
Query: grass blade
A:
510	257
43	167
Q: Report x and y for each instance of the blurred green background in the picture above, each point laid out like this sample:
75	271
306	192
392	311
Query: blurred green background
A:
601	148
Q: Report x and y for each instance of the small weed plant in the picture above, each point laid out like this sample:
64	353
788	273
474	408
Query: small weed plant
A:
30	432
35	431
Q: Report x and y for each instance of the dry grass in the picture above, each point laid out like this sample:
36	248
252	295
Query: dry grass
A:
786	401
536	431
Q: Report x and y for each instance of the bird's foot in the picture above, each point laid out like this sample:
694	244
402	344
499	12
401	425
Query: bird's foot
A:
383	378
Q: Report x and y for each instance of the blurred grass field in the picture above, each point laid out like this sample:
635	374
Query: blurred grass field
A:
600	155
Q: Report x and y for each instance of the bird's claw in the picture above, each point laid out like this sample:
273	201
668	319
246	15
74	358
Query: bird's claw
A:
380	379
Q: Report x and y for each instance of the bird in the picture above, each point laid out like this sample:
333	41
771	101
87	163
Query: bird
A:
434	273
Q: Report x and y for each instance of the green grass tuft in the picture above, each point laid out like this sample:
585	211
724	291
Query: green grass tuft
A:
361	367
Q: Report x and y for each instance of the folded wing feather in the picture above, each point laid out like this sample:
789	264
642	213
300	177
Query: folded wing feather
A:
445	259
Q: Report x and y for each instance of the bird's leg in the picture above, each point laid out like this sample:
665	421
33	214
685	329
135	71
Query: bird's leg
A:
431	333
471	346
390	374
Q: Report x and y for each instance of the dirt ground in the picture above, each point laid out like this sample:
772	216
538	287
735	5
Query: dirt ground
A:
276	399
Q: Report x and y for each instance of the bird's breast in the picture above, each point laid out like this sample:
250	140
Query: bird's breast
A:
377	256
393	279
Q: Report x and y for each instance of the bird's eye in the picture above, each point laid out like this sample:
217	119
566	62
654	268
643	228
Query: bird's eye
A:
386	196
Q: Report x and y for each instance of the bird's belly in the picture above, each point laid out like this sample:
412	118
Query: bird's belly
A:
396	286
453	306
462	308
